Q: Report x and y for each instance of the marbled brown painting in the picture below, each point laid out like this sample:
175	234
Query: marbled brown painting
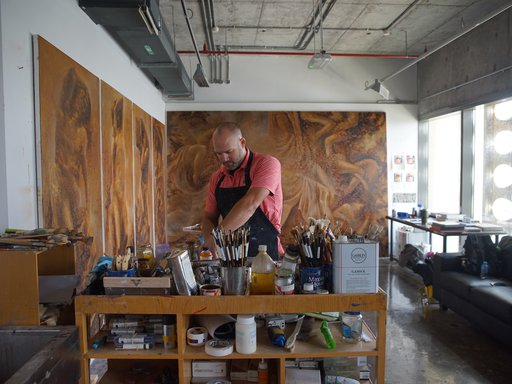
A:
143	177
70	149
117	159
159	147
333	165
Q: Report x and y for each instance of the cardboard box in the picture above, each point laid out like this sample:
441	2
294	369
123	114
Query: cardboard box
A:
252	371
239	370
303	376
137	285
356	267
209	368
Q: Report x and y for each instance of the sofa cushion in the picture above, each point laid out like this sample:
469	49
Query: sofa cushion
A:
495	300
506	262
460	283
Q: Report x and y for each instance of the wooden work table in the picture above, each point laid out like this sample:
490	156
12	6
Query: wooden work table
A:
184	307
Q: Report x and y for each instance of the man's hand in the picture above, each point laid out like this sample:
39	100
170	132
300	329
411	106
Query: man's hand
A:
244	208
209	222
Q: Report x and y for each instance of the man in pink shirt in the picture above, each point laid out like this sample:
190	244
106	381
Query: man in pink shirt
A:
244	191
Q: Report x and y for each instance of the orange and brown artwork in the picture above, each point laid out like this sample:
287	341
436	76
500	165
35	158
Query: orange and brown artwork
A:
70	149
333	165
117	158
159	146
143	177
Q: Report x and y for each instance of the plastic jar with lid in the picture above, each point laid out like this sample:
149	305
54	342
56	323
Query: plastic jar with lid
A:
245	334
290	258
205	254
308	288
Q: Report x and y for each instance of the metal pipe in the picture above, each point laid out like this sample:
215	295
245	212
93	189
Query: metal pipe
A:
206	25
191	31
452	39
306	38
277	53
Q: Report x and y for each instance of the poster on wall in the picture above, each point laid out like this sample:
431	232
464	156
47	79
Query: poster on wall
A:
404	173
69	133
333	165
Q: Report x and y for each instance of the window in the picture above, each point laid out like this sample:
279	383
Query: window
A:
487	164
444	164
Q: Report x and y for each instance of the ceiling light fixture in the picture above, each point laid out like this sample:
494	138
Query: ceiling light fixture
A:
319	59
378	87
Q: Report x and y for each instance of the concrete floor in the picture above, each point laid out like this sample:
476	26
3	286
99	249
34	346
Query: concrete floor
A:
435	346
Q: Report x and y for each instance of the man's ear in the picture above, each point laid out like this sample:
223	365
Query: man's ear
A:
242	142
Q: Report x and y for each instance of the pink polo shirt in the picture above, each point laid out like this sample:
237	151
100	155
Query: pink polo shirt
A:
265	172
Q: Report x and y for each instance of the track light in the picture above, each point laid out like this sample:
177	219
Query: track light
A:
378	87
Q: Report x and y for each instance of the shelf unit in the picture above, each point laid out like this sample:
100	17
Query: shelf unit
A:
184	307
19	280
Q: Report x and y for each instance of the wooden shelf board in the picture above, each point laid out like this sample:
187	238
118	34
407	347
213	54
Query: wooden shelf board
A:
108	351
218	304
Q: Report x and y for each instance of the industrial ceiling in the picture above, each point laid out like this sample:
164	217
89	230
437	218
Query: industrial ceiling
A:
366	27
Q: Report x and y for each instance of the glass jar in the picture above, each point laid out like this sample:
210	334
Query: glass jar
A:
351	326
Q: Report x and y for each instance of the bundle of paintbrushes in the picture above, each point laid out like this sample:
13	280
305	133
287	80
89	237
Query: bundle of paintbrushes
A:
232	246
314	242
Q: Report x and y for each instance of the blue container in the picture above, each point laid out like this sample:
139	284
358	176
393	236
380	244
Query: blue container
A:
314	275
128	273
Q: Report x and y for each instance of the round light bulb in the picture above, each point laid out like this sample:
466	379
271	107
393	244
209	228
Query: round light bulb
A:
502	175
503	142
503	111
502	209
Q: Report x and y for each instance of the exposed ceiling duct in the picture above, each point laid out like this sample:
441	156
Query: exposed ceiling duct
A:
138	28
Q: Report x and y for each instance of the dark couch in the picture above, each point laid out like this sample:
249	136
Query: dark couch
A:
486	303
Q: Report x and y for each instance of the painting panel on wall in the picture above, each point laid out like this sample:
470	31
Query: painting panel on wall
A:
159	147
143	177
333	165
117	159
70	149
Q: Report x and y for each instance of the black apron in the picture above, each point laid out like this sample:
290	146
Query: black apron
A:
262	231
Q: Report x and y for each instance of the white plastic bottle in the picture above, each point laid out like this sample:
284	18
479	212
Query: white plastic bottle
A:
262	273
245	334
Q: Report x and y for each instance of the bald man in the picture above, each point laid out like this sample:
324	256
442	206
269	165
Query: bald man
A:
244	191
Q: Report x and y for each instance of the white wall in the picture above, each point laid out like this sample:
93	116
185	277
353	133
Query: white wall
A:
286	79
66	26
284	83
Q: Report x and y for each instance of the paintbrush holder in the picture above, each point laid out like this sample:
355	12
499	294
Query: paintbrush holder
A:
234	280
314	275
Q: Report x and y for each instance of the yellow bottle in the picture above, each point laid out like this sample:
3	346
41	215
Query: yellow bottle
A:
262	273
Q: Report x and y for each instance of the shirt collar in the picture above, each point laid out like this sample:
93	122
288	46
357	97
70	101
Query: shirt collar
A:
242	166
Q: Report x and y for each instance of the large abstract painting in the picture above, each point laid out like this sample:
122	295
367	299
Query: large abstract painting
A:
143	177
70	149
333	165
117	159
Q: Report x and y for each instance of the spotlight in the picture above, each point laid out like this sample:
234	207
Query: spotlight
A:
319	60
378	87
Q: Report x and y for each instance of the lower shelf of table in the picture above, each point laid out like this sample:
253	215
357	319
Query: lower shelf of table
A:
315	346
150	372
